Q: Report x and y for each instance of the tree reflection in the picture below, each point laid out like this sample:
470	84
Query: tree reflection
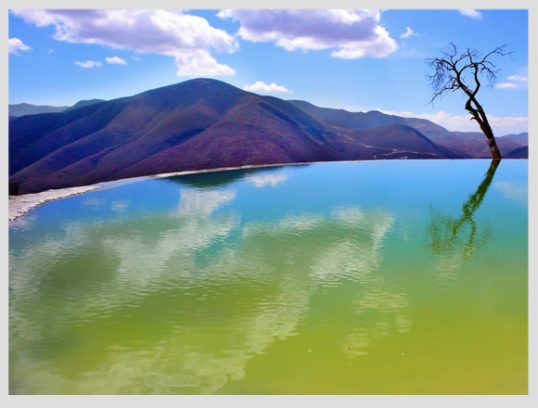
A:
460	233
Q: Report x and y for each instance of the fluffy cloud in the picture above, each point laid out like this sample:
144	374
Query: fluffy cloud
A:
502	125
15	45
513	82
349	33
408	33
260	86
477	15
188	39
88	64
115	60
200	62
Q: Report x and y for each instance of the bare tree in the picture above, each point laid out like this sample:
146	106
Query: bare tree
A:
454	71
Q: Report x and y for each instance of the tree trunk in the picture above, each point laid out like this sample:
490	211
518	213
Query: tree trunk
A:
492	143
479	115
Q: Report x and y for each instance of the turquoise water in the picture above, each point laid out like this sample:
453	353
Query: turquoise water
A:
389	277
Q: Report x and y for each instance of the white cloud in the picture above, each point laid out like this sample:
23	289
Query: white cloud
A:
502	125
506	85
200	62
517	78
188	39
408	33
15	45
260	86
115	60
517	81
477	15
349	33
88	64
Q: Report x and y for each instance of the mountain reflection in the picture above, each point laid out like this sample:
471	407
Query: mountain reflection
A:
456	238
217	292
218	179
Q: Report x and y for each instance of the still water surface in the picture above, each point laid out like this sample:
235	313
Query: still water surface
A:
396	277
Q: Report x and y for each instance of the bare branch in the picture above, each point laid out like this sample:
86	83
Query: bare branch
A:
464	71
449	70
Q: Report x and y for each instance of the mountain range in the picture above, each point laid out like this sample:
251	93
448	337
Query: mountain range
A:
203	124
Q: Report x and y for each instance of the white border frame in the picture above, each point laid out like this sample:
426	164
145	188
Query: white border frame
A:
271	401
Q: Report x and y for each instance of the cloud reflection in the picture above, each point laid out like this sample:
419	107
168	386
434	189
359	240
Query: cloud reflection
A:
513	191
119	205
219	291
203	202
264	180
382	310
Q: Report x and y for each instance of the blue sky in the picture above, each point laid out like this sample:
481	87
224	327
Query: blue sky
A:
356	61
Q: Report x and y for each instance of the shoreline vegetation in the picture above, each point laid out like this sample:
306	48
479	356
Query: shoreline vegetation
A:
19	205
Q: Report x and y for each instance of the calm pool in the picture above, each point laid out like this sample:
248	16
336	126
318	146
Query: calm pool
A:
388	277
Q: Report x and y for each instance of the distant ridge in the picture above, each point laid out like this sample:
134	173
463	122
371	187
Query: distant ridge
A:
85	102
21	109
463	144
202	124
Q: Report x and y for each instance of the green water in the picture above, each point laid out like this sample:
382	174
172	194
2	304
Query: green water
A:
396	277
